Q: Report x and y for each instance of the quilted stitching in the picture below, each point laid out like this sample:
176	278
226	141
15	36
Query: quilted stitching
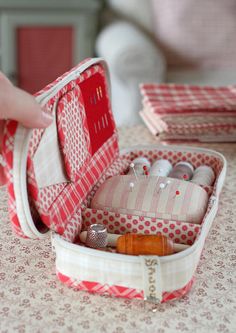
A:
57	204
74	138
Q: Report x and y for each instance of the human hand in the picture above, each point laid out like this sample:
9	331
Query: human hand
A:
18	105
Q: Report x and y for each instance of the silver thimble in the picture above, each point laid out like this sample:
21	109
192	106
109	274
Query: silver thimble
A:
96	236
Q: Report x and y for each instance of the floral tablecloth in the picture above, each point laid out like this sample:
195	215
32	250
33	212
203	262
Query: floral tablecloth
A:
33	300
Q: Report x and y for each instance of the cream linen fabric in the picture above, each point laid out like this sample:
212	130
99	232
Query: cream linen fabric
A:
112	270
48	163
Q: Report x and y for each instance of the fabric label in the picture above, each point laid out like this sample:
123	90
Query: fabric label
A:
152	284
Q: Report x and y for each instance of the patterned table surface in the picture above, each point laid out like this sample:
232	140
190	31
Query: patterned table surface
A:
33	300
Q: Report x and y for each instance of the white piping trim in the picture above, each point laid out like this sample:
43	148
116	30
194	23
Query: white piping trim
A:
47	95
21	145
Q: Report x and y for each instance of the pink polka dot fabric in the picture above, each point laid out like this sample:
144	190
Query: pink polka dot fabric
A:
116	223
72	132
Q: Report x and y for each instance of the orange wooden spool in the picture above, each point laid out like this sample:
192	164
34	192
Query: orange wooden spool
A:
135	244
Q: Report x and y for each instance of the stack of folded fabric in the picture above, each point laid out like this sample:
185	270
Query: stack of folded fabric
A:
187	112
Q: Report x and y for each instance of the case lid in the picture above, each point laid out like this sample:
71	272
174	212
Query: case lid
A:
51	171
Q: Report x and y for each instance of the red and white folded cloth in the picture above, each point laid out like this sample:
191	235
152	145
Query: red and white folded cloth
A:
188	112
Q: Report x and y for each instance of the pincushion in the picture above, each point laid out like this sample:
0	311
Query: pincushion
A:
179	200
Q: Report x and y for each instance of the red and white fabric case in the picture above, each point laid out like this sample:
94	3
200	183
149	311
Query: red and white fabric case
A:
54	173
188	112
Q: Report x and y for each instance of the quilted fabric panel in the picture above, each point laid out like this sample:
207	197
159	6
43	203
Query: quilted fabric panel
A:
58	203
72	196
73	133
73	227
42	198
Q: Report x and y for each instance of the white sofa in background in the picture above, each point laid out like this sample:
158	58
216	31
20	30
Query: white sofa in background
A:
133	56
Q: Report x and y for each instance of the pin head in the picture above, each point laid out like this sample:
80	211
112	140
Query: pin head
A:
145	168
185	176
177	192
132	166
162	186
131	186
168	182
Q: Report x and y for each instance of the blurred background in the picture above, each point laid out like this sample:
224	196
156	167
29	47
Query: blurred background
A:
183	41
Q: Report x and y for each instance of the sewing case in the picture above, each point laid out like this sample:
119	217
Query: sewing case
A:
54	174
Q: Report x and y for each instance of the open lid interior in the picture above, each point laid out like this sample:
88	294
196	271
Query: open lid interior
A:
67	159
